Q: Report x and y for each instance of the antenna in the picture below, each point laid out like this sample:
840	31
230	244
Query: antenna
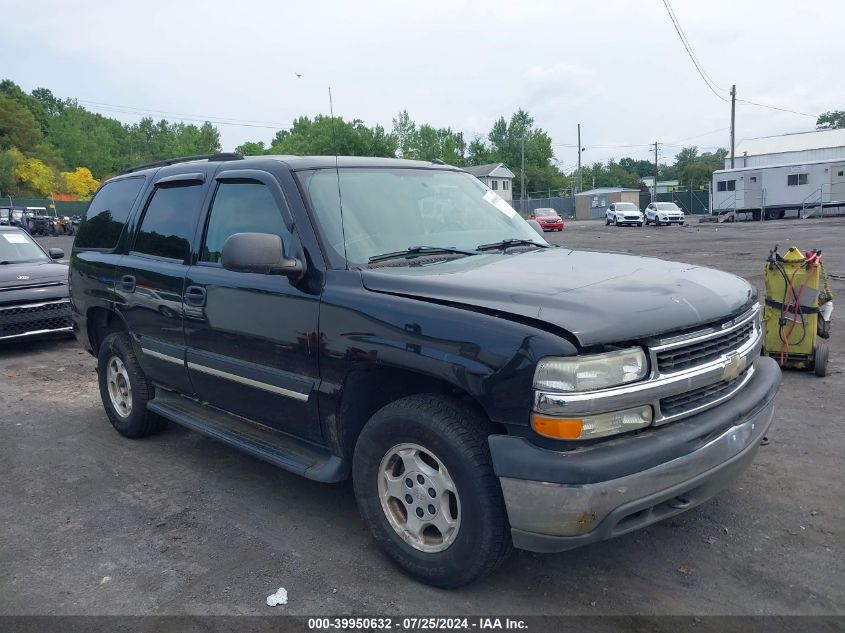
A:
337	174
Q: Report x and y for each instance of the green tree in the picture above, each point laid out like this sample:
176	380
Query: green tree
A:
324	136
8	177
18	128
478	152
506	139
251	148
692	168
833	120
84	138
14	92
405	131
642	168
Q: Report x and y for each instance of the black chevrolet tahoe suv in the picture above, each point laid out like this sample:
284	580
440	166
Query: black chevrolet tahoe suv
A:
399	323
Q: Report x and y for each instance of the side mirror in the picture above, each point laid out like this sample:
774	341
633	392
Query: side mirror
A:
260	253
536	226
532	216
56	253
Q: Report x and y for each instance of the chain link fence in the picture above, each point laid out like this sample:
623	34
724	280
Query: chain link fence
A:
63	207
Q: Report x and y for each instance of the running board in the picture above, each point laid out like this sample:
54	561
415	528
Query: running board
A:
284	451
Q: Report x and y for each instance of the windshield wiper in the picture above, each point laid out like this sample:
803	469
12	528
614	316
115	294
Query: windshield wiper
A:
507	243
419	251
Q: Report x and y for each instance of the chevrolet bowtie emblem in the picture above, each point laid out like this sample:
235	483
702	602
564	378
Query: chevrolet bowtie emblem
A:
734	367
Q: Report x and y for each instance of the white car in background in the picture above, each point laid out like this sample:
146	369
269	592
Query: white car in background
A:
659	213
621	213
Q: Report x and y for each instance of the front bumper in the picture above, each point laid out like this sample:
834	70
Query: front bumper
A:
40	318
560	501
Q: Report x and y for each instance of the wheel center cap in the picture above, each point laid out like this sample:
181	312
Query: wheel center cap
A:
420	494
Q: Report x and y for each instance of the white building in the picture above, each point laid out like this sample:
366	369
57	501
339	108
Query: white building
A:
663	186
496	176
786	149
806	187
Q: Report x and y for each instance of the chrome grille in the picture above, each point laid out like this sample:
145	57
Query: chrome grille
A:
684	403
20	320
700	352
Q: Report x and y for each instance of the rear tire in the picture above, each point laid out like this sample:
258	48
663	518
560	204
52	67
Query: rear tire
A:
438	445
820	359
125	389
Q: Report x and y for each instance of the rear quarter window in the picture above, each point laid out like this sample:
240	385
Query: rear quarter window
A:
107	213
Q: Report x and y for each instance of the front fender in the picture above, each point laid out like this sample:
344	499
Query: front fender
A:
491	358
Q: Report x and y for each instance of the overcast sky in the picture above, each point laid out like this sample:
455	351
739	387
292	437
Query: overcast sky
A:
617	67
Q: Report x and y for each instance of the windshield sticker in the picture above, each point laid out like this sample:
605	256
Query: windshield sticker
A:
15	238
497	201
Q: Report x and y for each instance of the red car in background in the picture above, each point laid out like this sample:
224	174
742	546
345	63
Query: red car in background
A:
548	218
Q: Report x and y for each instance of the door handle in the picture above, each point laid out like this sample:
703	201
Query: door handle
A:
195	295
127	283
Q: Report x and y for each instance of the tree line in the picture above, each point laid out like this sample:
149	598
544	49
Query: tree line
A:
50	145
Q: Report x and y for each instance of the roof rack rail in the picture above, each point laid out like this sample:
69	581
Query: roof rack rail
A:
184	159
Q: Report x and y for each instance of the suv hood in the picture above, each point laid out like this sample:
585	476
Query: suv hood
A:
600	298
31	274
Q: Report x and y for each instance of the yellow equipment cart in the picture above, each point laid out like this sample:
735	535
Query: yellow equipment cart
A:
797	312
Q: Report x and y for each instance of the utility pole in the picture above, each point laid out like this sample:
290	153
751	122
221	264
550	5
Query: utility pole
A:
654	188
522	186
580	179
733	122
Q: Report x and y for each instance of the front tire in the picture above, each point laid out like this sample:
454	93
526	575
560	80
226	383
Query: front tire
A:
425	485
125	389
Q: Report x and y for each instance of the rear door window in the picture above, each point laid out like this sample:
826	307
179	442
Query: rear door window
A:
170	221
106	215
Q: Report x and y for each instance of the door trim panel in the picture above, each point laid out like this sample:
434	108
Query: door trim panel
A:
269	379
164	357
162	351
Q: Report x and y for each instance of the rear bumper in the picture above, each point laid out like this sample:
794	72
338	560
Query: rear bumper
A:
555	512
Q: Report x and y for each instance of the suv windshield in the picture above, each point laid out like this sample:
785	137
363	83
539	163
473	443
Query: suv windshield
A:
667	206
387	210
17	247
626	206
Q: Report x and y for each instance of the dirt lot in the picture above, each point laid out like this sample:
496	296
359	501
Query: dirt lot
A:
96	524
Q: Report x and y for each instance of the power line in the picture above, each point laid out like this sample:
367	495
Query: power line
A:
721	129
689	51
684	37
706	77
197	119
763	105
137	110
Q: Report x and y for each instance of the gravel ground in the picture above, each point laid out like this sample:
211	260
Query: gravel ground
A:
177	524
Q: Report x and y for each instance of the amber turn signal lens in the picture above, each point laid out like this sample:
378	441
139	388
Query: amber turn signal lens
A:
558	428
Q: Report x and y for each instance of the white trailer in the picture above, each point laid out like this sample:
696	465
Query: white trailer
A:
771	190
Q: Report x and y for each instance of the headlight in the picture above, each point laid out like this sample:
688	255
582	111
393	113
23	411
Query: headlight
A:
592	426
588	373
